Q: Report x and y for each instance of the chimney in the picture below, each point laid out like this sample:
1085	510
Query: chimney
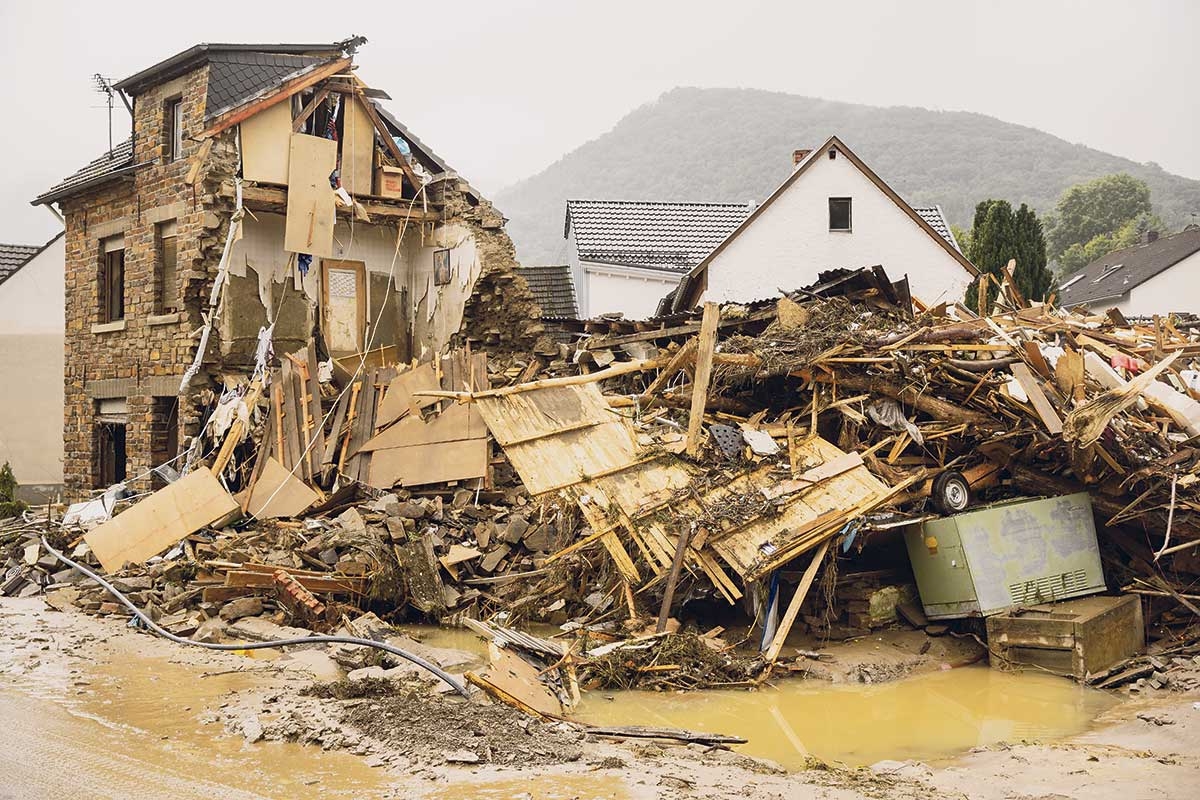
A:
1150	236
799	155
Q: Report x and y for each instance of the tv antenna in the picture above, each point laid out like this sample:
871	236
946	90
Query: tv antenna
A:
103	85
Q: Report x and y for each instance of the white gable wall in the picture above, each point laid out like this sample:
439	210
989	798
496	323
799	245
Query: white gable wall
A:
1175	289
632	291
789	242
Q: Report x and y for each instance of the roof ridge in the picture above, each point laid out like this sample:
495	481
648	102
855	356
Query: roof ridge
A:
663	202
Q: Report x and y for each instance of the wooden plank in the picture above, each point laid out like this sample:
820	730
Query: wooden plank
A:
398	400
620	557
335	434
159	521
311	209
291	421
1037	397
512	680
266	580
706	344
279	493
266	144
533	415
811	477
682	356
793	609
315	411
362	429
456	423
428	463
285	91
309	109
358	147
622	368
681	545
554	462
198	160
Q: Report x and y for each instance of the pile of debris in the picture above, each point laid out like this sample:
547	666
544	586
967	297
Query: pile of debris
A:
651	466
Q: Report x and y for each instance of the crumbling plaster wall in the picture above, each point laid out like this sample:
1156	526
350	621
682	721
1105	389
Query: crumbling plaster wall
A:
143	356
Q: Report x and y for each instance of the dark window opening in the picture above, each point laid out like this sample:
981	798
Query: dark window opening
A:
112	286
110	454
839	213
166	278
173	129
164	434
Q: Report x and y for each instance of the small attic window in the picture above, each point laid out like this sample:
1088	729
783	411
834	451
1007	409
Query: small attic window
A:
1108	271
173	129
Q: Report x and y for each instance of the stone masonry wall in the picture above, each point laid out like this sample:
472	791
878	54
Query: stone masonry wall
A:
145	357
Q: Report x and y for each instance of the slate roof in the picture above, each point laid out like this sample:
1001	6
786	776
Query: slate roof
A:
553	289
237	76
937	220
667	236
1111	277
14	256
187	60
96	172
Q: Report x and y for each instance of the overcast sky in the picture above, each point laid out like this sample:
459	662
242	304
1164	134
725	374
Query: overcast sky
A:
502	89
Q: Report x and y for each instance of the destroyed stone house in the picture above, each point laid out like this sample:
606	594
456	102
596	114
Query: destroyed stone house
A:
347	230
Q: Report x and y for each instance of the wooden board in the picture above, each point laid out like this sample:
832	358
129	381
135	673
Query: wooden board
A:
428	463
159	521
266	580
266	144
456	423
1037	397
279	493
512	680
535	414
315	412
310	207
398	400
706	343
558	461
358	147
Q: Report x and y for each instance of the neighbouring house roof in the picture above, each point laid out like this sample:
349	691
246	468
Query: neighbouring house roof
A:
188	59
107	166
237	76
692	284
1114	275
552	289
937	220
656	235
13	257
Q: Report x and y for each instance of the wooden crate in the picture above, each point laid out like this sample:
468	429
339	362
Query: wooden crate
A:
1074	638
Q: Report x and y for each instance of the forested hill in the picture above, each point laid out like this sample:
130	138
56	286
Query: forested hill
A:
735	145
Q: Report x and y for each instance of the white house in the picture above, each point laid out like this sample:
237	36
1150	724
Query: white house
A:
625	255
32	311
831	211
1159	275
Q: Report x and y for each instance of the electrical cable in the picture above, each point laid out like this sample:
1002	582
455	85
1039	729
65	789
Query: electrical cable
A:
320	639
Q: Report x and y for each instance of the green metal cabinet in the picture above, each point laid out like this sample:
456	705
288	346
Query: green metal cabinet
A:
1015	553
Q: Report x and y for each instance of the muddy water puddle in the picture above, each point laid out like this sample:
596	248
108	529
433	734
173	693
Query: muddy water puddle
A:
926	717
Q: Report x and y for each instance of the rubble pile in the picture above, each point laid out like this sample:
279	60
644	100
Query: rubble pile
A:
653	467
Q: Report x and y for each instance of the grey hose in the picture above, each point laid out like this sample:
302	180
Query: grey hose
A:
149	623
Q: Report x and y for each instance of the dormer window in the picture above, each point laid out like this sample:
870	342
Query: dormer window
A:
173	129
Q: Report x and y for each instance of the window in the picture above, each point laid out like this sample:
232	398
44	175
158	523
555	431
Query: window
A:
164	434
111	416
839	214
112	280
166	280
173	130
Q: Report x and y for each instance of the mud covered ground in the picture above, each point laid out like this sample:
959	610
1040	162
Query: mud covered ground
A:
98	707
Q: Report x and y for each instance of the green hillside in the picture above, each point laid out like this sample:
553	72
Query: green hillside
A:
736	144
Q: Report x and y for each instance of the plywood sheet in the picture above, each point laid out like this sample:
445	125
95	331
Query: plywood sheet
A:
399	400
358	145
753	549
428	463
456	423
559	460
266	144
161	520
279	493
525	416
310	208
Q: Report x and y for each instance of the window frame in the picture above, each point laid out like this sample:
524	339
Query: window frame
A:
166	277
173	129
112	260
849	201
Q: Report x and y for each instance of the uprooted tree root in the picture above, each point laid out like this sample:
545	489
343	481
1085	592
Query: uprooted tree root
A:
675	661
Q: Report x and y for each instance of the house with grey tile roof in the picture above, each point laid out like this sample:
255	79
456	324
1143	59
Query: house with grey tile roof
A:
625	254
552	289
12	256
1158	275
833	211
